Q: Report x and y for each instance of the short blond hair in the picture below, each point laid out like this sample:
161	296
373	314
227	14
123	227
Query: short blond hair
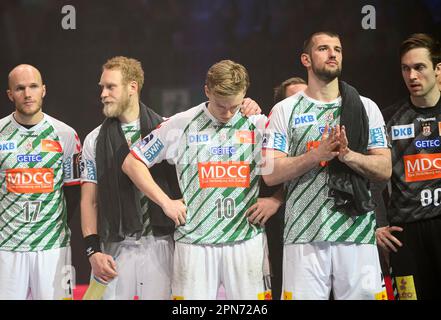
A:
131	70
227	78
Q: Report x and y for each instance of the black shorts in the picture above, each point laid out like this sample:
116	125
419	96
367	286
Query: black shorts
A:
416	267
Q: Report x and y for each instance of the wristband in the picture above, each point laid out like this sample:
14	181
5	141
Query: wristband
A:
92	243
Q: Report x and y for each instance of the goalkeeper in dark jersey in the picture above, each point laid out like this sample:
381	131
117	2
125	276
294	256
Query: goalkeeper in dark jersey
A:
414	211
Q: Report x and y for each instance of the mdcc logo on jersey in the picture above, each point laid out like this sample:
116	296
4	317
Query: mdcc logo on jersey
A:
7	146
422	167
224	174
30	180
403	132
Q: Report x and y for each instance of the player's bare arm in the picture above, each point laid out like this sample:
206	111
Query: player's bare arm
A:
287	168
141	177
375	166
103	265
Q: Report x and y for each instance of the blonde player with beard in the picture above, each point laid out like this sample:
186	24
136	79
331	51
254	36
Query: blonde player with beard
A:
39	169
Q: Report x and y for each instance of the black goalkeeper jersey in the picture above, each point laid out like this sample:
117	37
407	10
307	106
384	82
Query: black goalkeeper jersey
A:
415	135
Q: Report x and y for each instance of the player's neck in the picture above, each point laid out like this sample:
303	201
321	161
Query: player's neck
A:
322	91
29	120
131	113
427	101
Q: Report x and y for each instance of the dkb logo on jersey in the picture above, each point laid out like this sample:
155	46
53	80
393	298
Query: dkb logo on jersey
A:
7	146
224	174
421	167
403	132
33	180
50	146
305	119
200	138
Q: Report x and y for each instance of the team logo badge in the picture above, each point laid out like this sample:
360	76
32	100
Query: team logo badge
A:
329	117
28	146
426	129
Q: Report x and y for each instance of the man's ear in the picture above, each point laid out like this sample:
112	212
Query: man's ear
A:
305	59
133	87
9	93
438	70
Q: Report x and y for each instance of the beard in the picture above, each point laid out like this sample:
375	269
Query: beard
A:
24	111
115	109
325	74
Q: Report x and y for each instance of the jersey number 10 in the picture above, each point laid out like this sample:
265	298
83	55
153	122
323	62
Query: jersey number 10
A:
225	208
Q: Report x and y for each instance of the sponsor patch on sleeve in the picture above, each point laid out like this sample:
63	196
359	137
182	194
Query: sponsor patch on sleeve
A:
377	137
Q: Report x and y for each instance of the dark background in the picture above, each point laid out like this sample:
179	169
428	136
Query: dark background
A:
178	40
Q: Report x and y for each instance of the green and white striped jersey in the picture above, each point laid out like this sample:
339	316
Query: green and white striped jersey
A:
132	133
294	124
217	168
35	164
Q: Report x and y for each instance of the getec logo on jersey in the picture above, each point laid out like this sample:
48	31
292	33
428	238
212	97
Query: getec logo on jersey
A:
51	146
427	144
30	180
305	119
7	146
403	132
223	150
27	158
245	137
224	174
421	167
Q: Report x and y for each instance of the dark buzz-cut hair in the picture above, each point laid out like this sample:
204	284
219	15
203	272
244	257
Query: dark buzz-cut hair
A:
422	40
308	42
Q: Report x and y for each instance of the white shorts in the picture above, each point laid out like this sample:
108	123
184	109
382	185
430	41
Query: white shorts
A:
352	271
198	270
144	269
39	275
